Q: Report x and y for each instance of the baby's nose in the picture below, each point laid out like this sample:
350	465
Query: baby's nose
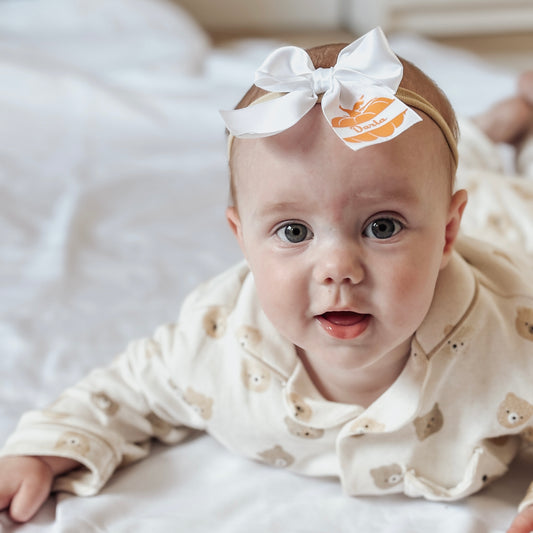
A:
339	265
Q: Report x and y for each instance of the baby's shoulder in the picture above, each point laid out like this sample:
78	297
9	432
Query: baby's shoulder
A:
505	272
226	303
499	320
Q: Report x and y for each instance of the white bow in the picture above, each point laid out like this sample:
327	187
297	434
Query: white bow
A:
358	99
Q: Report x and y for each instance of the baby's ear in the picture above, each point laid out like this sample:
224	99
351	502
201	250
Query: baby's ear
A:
453	223
234	221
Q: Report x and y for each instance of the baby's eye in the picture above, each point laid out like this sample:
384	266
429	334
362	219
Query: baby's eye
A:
383	228
294	233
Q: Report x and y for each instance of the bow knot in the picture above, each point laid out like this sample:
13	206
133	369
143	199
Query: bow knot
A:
322	79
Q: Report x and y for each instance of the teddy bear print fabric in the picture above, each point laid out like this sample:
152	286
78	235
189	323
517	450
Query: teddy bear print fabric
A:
448	426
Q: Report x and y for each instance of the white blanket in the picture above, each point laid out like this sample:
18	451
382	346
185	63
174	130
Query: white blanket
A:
113	188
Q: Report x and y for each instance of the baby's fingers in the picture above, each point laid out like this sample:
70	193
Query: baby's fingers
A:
28	499
523	523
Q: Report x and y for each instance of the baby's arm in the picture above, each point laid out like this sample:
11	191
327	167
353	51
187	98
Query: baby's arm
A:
105	421
25	482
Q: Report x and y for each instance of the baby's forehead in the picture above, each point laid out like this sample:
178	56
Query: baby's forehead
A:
311	145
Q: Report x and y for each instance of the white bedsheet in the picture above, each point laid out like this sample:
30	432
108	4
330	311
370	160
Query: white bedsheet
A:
113	186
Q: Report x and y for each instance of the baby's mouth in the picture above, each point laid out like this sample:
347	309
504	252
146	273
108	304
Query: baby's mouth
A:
343	318
344	324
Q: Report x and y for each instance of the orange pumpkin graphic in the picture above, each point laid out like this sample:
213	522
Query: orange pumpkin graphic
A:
362	118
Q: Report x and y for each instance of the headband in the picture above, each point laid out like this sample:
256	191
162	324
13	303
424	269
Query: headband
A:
360	96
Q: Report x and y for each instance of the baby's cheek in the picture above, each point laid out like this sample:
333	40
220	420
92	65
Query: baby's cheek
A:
411	291
284	298
275	287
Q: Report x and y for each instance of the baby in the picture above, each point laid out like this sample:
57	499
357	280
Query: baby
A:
361	337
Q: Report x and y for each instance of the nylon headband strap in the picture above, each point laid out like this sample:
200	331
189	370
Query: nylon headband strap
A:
413	99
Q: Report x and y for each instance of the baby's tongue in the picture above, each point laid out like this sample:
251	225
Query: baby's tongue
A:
343	318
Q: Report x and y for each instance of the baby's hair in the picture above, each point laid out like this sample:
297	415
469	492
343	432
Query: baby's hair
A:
325	56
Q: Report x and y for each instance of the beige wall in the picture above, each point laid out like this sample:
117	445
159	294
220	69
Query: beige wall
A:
266	15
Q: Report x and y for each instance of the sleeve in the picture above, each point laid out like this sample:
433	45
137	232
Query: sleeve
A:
499	203
108	419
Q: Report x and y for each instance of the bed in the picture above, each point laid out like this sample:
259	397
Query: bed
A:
113	189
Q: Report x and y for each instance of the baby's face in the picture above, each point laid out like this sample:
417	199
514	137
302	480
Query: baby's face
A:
345	246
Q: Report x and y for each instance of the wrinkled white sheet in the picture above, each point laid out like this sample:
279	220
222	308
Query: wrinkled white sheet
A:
113	187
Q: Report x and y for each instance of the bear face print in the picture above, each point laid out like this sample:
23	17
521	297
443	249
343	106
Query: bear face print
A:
514	411
255	375
159	426
72	442
277	457
215	322
249	338
301	410
524	323
429	423
104	403
366	425
457	344
388	476
203	405
304	432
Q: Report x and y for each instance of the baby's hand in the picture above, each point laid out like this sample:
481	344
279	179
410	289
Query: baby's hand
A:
25	483
523	522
